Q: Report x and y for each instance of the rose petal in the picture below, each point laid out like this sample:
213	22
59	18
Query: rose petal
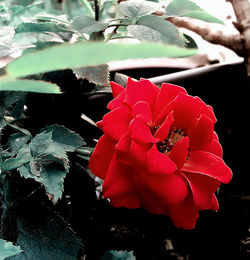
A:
179	152
202	133
123	149
116	89
138	152
117	102
142	111
115	123
207	164
170	188
184	214
203	189
187	109
140	131
100	158
167	93
142	90
207	110
162	132
119	179
164	113
128	200
214	147
159	163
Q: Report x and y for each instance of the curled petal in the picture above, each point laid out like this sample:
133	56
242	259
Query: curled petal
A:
179	152
207	164
100	158
140	131
123	148
167	93
119	179
203	189
116	89
142	111
159	163
207	110
162	132
116	122
202	133
184	214
159	119
142	90
117	102
187	110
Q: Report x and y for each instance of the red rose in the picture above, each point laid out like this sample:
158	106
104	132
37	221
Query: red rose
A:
159	151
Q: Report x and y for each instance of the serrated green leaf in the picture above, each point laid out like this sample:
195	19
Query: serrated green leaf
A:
88	25
188	8
118	255
40	27
96	74
156	29
12	163
40	143
10	84
138	8
44	235
88	54
7	249
64	138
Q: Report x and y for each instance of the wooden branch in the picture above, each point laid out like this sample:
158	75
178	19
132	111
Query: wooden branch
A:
242	13
232	41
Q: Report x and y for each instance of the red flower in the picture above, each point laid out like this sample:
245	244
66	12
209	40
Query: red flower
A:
159	151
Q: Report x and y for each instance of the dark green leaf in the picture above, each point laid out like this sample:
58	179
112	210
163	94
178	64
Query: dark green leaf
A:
17	141
88	25
87	54
8	249
40	27
63	137
44	235
40	143
10	84
118	255
138	8
12	163
190	9
96	74
156	29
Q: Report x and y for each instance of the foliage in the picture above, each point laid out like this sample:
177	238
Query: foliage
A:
8	249
35	158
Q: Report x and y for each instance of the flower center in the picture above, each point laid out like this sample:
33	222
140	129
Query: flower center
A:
174	136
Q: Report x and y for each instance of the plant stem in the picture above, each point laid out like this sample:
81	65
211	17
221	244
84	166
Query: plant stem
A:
89	8
97	10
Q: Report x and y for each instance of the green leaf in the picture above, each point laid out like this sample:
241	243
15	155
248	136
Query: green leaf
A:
40	143
88	54
190	9
10	84
44	235
17	141
97	74
156	29
138	8
118	255
12	163
40	27
88	25
7	249
64	138
204	16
